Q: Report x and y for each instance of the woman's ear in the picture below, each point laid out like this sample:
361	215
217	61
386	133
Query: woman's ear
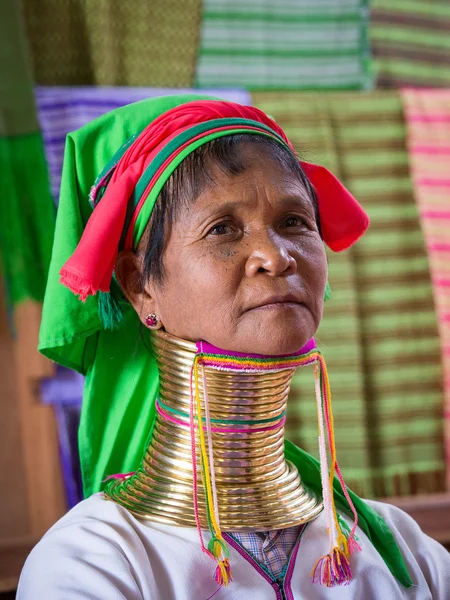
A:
128	271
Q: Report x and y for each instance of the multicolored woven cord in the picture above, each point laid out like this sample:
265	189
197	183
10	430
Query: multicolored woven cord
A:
331	569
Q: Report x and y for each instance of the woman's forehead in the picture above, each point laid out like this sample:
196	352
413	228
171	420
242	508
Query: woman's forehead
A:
263	178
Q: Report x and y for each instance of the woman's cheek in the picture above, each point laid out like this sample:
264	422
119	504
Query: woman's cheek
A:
316	258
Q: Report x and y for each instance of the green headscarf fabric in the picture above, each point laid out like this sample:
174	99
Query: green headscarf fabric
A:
27	210
121	375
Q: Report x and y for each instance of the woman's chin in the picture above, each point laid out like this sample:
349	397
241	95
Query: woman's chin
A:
276	346
269	333
280	336
279	339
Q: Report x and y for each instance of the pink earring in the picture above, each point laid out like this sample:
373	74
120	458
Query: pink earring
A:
152	321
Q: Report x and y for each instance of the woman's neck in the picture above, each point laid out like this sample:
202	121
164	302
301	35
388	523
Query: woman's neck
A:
257	489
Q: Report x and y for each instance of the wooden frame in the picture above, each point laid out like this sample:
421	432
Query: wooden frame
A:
432	513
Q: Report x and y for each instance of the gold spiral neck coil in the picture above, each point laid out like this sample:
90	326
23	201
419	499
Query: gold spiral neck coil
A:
257	489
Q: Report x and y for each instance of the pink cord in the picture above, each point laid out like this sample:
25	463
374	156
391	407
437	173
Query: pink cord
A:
194	467
210	449
118	476
326	492
218	590
337	468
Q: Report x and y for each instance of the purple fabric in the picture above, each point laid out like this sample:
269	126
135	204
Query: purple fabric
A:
68	420
64	392
65	388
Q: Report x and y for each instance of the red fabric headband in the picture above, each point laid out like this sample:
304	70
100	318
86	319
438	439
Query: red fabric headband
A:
90	268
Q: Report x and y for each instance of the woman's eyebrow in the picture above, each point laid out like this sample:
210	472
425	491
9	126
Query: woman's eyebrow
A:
302	200
289	199
213	210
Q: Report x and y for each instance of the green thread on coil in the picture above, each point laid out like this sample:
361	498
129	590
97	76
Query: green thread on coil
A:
231	421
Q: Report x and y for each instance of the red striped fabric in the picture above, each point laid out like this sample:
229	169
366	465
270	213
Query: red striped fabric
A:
428	121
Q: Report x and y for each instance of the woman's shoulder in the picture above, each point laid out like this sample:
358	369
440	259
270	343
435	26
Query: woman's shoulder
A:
424	556
95	545
400	522
95	510
94	523
407	532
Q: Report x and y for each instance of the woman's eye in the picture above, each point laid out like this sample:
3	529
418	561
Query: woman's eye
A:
222	229
293	221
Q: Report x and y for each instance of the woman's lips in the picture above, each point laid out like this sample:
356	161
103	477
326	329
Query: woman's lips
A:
277	303
278	306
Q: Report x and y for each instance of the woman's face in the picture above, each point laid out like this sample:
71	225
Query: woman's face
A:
245	267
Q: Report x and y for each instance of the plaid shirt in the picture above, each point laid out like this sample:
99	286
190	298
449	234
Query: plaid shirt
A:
270	548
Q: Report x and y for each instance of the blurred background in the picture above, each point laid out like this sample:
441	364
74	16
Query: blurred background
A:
360	87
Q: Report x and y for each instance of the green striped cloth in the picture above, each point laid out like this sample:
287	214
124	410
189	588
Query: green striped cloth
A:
27	211
287	44
411	42
114	42
379	334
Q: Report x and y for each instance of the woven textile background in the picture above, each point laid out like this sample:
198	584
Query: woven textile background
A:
379	333
411	42
113	42
27	213
428	119
301	44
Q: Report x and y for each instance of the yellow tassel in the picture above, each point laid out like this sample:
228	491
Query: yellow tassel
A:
223	575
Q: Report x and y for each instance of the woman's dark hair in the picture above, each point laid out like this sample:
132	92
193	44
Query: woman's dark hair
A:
193	175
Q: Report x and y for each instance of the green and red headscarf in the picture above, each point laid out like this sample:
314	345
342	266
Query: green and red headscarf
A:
130	184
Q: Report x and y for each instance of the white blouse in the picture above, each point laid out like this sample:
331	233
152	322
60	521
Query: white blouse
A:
99	551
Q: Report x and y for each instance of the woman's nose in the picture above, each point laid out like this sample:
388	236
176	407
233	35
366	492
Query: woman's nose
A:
270	257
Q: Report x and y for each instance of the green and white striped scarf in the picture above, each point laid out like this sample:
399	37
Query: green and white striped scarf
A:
287	44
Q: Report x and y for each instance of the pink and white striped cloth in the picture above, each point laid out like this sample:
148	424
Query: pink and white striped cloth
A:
428	121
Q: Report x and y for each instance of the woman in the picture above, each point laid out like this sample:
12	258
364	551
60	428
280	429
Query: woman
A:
202	268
